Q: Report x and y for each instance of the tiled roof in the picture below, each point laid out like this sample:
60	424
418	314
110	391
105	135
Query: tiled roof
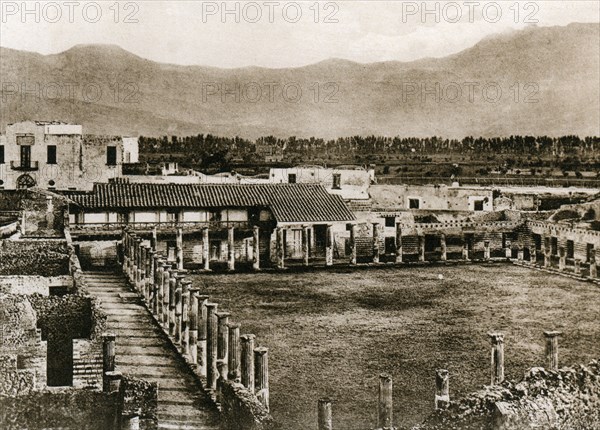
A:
288	202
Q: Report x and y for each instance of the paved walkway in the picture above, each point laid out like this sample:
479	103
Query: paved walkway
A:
143	352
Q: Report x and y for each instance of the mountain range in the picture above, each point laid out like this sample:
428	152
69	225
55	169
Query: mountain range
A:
536	81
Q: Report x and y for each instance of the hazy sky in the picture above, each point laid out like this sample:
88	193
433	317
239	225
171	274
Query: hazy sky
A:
276	33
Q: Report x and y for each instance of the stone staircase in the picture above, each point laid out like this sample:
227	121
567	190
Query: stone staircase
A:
144	352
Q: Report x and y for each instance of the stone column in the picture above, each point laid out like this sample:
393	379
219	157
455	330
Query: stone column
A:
178	310
577	267
421	247
487	252
375	242
256	248
442	391
547	252
160	273
325	415
193	325
179	248
593	267
185	316
108	358
305	247
154	240
385	417
562	261
234	356
247	341
552	349
172	303
211	346
398	242
280	247
142	272
330	241
533	254
497	358
443	247
261	372
165	295
223	340
354	253
202	330
205	249
520	253
231	249
154	282
508	249
465	250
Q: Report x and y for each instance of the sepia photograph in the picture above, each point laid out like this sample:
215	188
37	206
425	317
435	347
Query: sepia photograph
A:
299	215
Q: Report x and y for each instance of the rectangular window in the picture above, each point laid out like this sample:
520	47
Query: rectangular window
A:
1	154
111	155
51	154
414	204
390	221
337	181
292	178
478	205
26	156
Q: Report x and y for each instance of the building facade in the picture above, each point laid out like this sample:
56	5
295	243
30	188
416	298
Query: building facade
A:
58	156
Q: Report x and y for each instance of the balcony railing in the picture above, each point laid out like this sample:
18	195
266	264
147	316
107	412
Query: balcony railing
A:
25	167
167	225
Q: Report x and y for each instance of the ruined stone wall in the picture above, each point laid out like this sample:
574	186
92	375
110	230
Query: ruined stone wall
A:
241	410
34	284
68	409
34	257
565	399
139	398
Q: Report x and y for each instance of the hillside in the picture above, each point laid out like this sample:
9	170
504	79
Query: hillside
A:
556	71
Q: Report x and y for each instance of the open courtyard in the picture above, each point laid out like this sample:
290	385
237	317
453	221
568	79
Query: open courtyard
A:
331	333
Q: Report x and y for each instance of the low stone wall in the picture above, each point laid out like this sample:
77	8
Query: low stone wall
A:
242	410
34	284
67	409
139	398
568	398
34	257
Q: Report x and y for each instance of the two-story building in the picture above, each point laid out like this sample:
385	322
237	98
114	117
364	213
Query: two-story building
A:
58	156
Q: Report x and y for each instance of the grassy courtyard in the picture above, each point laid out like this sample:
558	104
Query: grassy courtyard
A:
332	333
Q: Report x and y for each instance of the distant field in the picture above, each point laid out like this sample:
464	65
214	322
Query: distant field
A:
331	333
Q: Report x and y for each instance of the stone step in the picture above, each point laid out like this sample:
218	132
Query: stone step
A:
191	425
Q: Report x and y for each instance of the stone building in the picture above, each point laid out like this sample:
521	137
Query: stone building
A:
58	156
221	223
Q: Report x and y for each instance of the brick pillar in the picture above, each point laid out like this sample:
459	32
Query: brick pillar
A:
443	247
179	248
108	358
193	325
234	356
442	392
261	372
562	261
421	247
247	341
211	346
353	252
231	249
552	349
330	242
385	416
398	242
547	252
593	267
325	415
508	249
375	227
280	247
305	246
202	329
520	253
487	252
185	316
577	267
206	249
223	340
533	255
256	248
497	358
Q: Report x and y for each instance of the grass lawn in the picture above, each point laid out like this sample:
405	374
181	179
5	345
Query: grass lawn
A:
332	333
